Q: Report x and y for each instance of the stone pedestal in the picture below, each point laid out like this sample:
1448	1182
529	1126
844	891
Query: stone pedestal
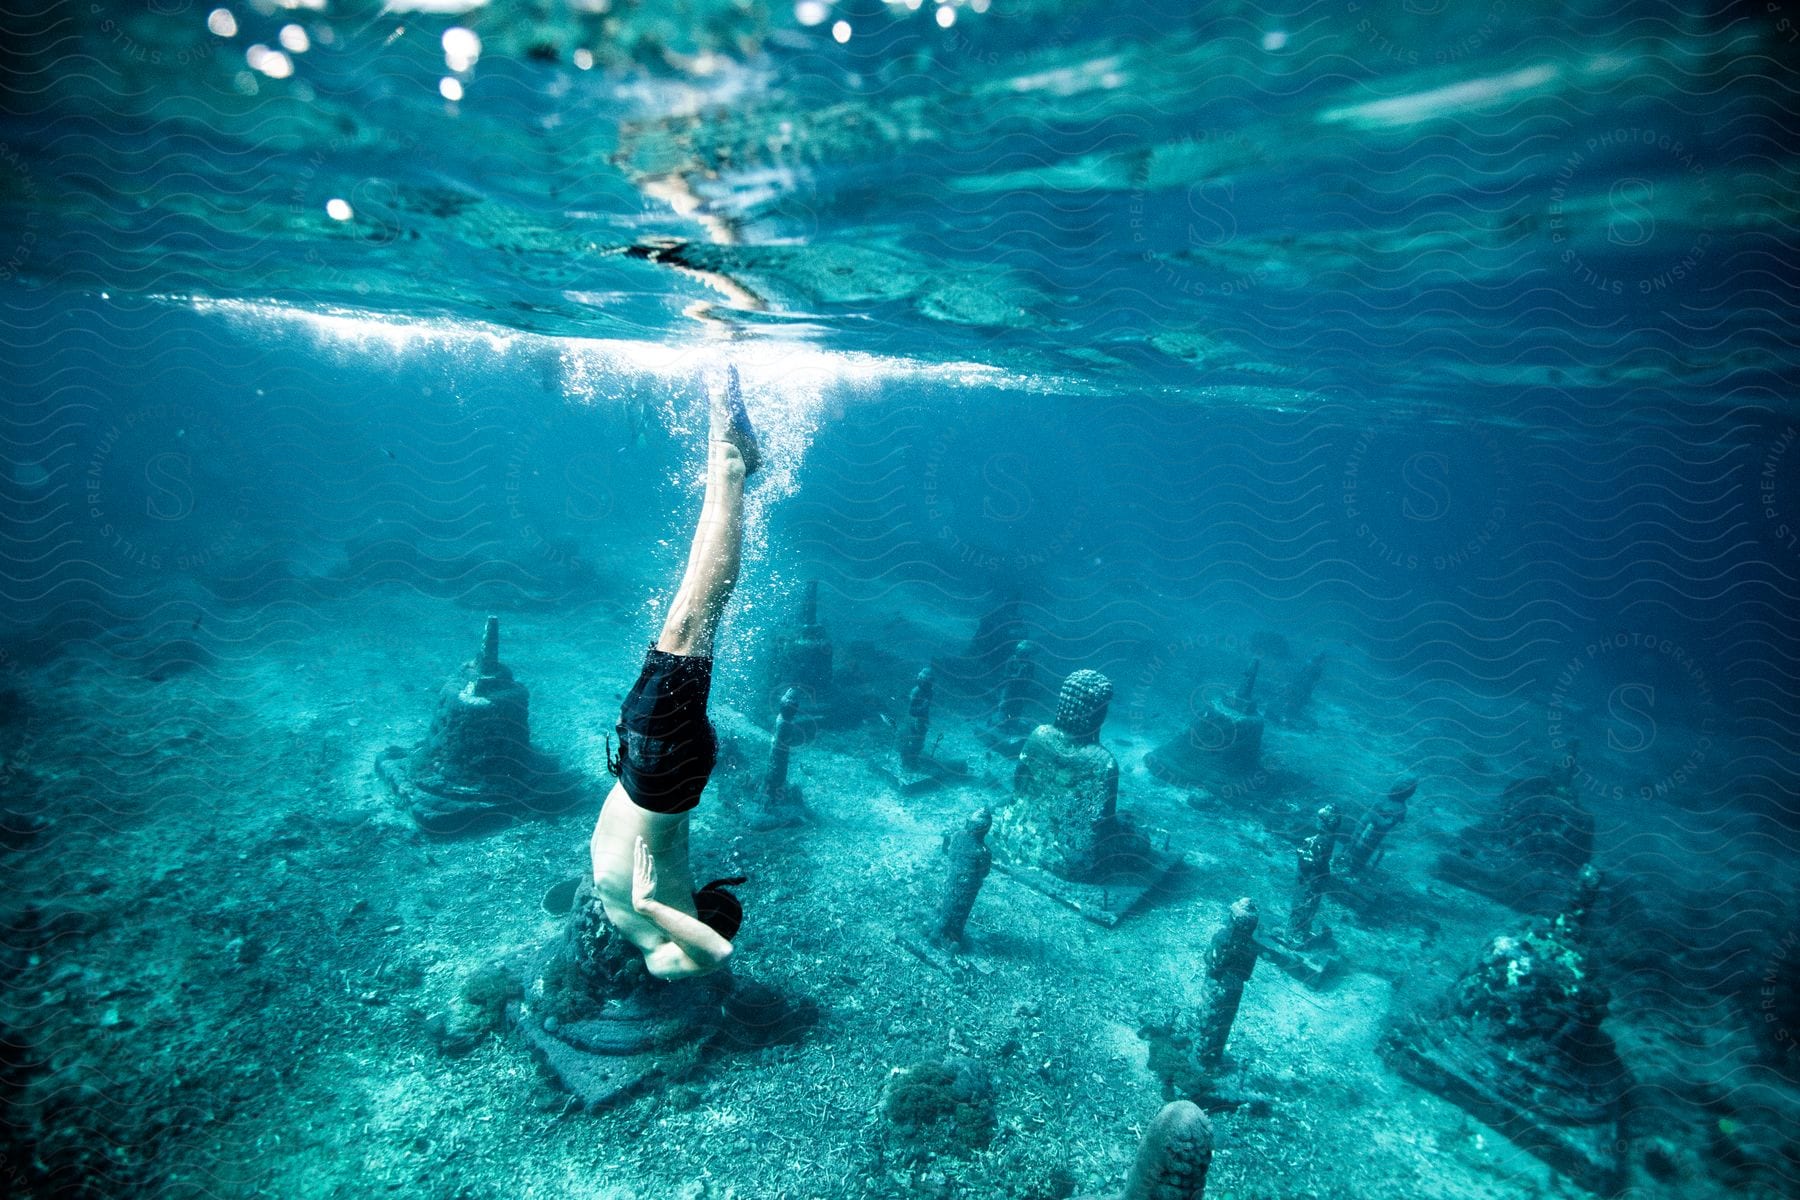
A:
604	1029
477	768
1518	1043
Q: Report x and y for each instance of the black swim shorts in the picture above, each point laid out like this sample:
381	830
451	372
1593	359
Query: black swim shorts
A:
666	745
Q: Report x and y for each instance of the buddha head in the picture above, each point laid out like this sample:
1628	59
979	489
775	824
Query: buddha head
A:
1081	706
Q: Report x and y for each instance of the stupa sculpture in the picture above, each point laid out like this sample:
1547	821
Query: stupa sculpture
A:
1518	1042
1222	743
801	658
476	768
1526	853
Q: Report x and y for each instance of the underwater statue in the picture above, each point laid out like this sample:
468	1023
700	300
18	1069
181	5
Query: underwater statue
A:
477	769
1312	875
1173	1159
1517	1042
1295	704
1007	729
1062	818
1222	743
915	724
1365	847
777	801
1528	851
969	860
1229	961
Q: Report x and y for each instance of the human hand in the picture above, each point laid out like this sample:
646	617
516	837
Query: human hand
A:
643	876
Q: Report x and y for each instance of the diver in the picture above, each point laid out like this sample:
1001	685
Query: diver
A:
667	747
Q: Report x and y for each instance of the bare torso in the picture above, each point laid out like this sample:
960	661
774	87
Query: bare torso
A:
665	835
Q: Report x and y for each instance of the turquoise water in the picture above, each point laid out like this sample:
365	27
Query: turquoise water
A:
1448	345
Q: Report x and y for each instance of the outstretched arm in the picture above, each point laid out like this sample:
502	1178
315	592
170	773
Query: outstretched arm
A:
694	947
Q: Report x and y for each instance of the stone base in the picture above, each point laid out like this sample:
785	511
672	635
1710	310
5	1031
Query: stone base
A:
763	812
924	775
1314	964
658	1033
1221	743
1452	1068
544	789
937	955
1005	738
1105	902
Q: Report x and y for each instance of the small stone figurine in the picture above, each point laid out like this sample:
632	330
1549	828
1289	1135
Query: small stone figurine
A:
1229	961
1296	700
1312	874
779	802
969	859
1364	850
909	735
1007	729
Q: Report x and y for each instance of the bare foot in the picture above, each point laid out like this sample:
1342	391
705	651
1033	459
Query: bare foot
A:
731	424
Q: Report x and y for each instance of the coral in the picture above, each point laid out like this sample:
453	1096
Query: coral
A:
945	1106
488	988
